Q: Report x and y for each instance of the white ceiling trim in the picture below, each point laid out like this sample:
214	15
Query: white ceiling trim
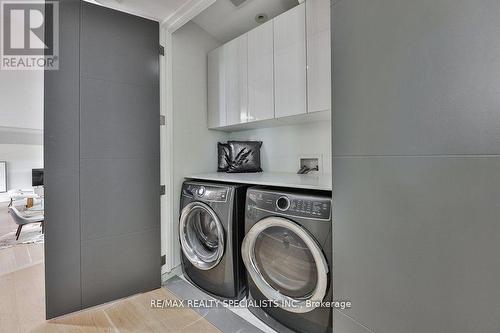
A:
185	13
131	12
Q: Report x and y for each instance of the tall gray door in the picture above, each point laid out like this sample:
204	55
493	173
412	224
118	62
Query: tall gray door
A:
417	165
102	159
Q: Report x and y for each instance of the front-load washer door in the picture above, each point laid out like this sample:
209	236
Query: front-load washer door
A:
286	263
201	235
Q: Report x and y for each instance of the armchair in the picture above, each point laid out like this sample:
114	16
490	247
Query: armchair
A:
22	220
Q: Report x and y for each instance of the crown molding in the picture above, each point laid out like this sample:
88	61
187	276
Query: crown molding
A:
126	11
185	13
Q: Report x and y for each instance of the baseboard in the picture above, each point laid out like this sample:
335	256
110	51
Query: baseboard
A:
176	271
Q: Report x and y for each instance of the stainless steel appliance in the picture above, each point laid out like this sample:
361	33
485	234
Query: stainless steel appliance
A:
287	252
211	229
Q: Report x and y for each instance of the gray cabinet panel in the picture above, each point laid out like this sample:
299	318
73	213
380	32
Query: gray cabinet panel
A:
119	197
119	47
130	265
416	77
416	240
115	122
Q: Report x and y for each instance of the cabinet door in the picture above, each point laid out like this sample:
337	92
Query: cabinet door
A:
290	62
236	83
216	89
318	55
261	73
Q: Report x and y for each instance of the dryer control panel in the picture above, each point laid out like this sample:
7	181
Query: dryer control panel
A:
206	192
291	204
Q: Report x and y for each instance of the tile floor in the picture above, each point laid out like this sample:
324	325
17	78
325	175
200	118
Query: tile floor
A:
224	318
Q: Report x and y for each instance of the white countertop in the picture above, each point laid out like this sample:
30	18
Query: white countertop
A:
282	179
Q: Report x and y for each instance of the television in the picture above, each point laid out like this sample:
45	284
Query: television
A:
37	177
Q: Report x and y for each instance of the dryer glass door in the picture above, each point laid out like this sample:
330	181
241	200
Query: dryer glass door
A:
286	263
201	235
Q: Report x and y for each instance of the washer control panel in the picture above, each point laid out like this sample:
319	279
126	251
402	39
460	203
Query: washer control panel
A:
206	192
201	191
291	204
283	203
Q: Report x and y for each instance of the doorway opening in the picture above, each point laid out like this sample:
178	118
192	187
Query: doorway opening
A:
22	281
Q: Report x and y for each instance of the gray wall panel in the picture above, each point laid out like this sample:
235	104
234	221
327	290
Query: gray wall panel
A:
417	237
416	77
344	324
61	160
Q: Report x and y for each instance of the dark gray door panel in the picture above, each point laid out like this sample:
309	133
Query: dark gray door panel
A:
120	151
119	47
61	161
115	122
102	159
130	202
62	240
130	265
419	235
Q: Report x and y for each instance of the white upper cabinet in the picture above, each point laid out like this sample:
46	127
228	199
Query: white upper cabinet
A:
318	55
216	89
281	68
261	73
290	62
236	80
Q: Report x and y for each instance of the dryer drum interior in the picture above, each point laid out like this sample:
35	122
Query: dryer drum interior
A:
286	263
202	235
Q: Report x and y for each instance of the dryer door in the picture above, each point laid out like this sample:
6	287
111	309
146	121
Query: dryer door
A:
201	235
286	263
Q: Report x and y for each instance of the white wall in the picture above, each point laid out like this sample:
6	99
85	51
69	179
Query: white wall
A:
283	146
20	160
21	125
195	147
21	99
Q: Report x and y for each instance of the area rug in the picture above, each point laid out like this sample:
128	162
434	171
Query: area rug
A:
31	234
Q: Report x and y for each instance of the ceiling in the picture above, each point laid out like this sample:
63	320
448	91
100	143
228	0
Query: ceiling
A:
224	21
158	10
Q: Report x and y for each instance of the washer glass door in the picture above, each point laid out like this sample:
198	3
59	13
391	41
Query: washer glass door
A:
201	235
286	264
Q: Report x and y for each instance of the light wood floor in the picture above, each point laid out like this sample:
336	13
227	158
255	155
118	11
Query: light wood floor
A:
6	223
22	310
22	302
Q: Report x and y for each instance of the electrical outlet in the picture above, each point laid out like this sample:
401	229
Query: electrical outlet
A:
313	163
